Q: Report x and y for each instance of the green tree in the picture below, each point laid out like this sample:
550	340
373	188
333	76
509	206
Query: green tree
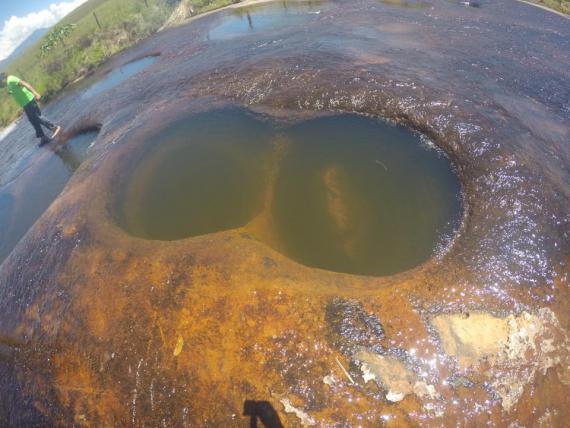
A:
56	37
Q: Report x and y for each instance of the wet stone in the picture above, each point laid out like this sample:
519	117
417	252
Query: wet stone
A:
268	262
350	326
116	77
392	376
25	200
263	19
515	348
458	381
6	206
438	70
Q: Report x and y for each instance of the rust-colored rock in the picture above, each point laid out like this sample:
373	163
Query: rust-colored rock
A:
106	329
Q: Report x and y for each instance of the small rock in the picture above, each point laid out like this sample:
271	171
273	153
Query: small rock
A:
306	420
393	376
329	380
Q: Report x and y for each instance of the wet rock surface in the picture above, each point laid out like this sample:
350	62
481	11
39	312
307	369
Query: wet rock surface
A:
350	326
392	376
105	329
514	348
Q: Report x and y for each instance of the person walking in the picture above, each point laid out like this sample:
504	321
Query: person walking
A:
27	97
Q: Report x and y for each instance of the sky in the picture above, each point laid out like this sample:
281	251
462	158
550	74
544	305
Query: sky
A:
20	18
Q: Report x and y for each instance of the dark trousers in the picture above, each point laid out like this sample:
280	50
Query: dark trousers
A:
35	116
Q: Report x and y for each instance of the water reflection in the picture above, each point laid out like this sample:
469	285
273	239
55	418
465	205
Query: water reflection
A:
261	18
6	207
117	76
26	199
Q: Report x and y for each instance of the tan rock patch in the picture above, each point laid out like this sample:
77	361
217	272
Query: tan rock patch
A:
471	338
304	418
393	376
517	347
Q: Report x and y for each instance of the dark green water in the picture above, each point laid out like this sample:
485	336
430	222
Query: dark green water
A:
19	209
357	195
200	175
350	194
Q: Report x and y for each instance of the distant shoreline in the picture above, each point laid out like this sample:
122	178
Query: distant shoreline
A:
541	6
184	21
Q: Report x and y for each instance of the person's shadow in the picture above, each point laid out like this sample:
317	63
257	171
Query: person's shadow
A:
262	410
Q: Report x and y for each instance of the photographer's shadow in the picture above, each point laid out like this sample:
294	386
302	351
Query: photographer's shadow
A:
262	410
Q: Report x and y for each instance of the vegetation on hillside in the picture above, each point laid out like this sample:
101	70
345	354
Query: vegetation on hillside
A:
98	29
559	5
85	39
201	6
55	38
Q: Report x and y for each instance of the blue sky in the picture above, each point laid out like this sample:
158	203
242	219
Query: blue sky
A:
20	18
21	7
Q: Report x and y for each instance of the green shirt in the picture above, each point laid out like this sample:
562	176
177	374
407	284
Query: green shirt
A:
22	95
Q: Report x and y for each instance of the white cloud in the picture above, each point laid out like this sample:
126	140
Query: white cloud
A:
18	28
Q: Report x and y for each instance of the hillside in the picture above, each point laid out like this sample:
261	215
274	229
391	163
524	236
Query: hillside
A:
123	23
26	44
559	5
